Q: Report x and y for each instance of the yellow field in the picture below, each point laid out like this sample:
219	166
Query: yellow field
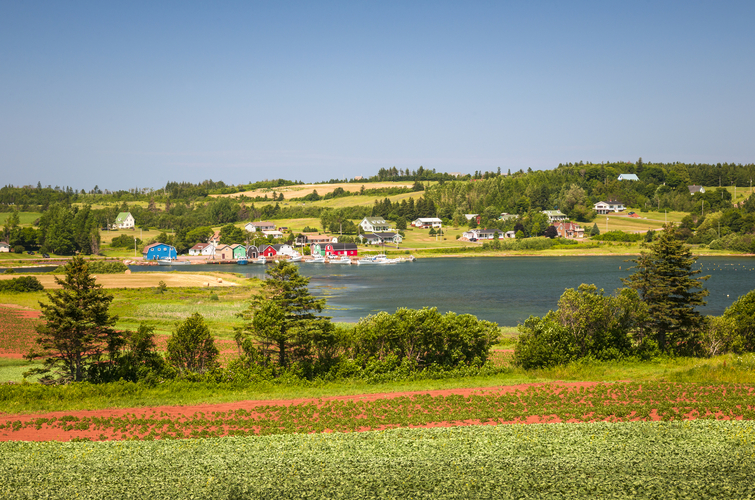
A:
144	280
322	189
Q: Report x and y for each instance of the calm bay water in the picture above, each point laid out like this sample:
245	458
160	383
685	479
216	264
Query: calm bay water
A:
505	290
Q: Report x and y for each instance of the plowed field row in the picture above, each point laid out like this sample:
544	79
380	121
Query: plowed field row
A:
620	402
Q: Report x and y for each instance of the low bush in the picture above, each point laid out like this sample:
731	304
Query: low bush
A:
22	284
101	267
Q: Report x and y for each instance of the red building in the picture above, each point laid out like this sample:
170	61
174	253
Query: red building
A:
348	249
268	251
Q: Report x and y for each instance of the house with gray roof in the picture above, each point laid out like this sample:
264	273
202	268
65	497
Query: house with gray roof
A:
374	225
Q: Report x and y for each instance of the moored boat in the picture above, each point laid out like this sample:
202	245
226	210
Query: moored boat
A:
242	262
172	262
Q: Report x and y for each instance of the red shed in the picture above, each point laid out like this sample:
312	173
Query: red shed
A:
348	249
268	251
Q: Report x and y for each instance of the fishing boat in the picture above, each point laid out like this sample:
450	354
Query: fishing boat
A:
261	260
295	258
317	259
242	262
168	261
343	259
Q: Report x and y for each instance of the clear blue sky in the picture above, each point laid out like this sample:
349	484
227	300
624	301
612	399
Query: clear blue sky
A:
141	93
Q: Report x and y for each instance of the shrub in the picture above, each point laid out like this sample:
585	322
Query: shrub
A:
191	348
101	267
21	284
618	236
19	249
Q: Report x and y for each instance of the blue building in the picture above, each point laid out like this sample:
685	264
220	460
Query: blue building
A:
159	251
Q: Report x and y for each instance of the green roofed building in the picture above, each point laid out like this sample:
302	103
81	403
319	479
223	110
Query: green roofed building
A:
124	221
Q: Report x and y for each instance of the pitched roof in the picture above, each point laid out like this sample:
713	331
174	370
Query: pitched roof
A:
386	234
200	246
122	217
695	189
262	224
148	247
375	220
344	246
628	177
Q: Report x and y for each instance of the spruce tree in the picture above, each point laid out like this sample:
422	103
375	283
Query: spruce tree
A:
595	230
281	321
191	348
665	280
77	329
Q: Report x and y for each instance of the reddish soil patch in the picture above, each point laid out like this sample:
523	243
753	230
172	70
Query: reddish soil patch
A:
17	330
45	433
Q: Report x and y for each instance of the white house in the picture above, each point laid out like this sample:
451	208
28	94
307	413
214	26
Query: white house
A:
374	224
273	233
628	177
603	207
202	249
4	247
555	215
695	189
124	221
425	222
482	234
285	249
263	226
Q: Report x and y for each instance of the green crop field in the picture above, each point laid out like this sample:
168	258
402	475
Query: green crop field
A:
699	459
25	218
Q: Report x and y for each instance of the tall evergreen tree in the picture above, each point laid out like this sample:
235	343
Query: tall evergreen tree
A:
665	280
282	320
77	329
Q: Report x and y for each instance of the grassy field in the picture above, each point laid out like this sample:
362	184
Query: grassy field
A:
701	459
301	190
25	218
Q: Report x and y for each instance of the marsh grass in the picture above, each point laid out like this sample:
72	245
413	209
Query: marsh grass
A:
12	370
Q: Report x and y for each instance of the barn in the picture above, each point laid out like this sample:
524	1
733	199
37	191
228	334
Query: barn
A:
159	251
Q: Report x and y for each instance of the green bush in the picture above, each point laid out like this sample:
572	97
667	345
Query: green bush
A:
21	284
618	236
101	267
124	241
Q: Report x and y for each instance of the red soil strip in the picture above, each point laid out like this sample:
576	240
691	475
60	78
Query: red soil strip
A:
56	434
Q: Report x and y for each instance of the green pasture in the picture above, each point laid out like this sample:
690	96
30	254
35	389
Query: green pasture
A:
25	218
738	194
697	459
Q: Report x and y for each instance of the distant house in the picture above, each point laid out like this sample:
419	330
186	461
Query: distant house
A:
628	177
224	252
317	249
555	215
426	222
696	189
124	221
274	233
159	251
509	234
252	227
358	177
214	239
319	238
370	239
455	174
239	251
285	249
469	217
374	224
569	230
603	207
348	249
482	234
507	216
202	249
4	247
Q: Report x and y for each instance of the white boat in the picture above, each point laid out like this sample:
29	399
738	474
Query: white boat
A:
261	260
172	262
377	259
343	259
317	259
295	258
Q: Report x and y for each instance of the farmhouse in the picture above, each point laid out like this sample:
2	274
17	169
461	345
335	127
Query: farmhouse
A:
482	234
555	215
374	224
319	238
252	227
274	233
202	249
370	239
569	230
4	247
159	251
348	249
425	222
628	177
603	207
124	221
696	189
